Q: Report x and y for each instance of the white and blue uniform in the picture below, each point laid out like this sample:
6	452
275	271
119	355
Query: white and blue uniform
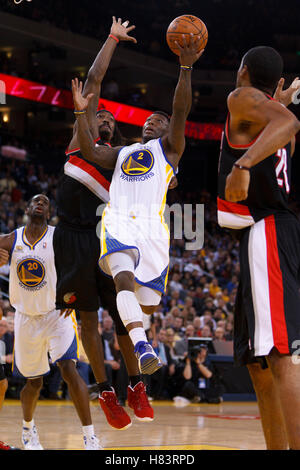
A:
134	217
39	328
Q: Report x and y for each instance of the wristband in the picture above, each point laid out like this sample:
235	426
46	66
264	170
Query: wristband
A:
186	67
241	167
114	37
80	112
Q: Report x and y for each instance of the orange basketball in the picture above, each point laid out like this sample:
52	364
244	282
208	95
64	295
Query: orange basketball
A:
186	24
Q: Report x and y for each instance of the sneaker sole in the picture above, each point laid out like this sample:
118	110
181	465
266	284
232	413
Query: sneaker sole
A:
145	420
121	429
150	365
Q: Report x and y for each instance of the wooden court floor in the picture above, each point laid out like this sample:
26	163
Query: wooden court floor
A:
228	426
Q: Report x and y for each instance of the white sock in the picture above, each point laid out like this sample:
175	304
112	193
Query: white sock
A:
129	308
137	334
28	424
88	431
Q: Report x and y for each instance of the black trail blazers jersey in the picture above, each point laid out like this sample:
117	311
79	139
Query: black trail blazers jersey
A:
268	190
82	187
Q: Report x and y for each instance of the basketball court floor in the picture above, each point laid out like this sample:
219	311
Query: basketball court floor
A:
227	426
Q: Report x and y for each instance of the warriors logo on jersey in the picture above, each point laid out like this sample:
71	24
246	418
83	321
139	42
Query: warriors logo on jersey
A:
137	164
31	273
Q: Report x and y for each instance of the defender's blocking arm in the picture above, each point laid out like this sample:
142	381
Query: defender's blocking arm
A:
102	155
118	32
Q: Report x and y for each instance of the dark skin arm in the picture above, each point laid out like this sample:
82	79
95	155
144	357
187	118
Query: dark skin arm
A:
6	244
251	114
174	142
97	72
103	156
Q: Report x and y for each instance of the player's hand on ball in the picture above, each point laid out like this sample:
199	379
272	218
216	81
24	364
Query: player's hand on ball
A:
121	30
4	257
286	96
189	52
80	103
237	185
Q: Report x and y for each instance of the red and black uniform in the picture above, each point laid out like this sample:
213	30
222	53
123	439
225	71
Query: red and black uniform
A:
267	310
83	191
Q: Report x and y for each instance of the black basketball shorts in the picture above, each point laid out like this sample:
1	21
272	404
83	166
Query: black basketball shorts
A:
267	310
76	254
80	283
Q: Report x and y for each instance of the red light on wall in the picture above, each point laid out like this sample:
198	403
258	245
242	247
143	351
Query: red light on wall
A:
37	92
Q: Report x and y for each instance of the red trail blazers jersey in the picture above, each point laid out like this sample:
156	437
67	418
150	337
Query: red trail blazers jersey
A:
269	187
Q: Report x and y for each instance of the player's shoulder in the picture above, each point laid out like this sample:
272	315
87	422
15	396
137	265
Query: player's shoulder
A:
246	93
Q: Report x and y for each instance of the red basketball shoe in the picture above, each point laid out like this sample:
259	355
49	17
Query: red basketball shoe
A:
138	401
116	416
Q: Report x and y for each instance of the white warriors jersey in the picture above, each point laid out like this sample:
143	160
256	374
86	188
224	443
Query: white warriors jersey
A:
32	281
140	180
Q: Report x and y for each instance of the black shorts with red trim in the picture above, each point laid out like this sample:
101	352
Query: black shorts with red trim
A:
267	310
76	252
2	372
80	283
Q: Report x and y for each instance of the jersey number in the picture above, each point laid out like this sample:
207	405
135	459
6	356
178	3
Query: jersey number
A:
32	266
281	170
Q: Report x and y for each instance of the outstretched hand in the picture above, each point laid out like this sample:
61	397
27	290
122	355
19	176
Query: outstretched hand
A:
286	96
80	103
121	30
190	51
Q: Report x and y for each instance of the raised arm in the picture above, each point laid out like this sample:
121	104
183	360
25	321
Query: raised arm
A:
119	32
102	155
252	114
174	141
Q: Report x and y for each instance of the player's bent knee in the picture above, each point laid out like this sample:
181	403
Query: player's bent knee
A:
36	383
124	281
148	309
66	367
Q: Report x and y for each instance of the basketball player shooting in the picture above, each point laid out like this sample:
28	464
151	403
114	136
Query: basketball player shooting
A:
82	187
254	185
134	237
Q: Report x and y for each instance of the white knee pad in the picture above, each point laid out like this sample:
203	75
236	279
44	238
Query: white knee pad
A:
121	261
128	307
146	296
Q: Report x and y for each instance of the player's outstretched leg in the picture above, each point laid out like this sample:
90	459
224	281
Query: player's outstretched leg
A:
136	391
80	397
91	340
269	406
29	397
286	375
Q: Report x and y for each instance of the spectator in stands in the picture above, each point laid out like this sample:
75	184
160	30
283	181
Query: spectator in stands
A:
181	346
178	328
108	328
206	332
219	333
194	375
158	382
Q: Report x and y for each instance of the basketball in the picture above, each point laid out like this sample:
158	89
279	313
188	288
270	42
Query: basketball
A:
185	24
